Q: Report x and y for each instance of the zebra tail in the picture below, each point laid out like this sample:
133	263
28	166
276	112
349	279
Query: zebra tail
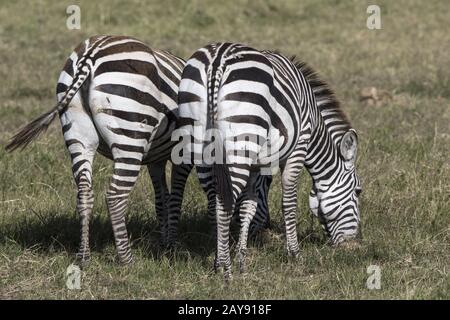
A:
32	130
221	171
39	125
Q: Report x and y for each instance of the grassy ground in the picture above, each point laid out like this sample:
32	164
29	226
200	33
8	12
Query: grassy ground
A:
403	157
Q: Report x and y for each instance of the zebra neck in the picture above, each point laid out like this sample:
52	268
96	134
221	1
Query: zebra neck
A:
322	160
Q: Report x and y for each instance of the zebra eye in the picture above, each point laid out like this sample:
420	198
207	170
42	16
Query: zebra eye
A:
358	191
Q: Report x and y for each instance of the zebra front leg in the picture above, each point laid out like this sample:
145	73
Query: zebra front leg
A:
289	180
204	174
180	173
261	220
211	196
122	182
158	175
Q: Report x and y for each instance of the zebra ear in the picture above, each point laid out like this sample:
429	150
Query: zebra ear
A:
349	145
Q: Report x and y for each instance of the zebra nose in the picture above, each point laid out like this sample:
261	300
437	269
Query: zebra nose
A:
349	243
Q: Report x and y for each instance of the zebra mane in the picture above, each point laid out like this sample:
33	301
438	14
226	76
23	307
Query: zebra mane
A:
334	117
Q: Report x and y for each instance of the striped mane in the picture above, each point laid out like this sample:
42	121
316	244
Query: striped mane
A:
334	117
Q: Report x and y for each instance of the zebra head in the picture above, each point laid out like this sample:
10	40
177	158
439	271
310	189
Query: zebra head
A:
335	203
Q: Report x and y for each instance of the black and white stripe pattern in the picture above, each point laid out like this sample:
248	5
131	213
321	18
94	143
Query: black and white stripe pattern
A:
117	96
261	219
250	96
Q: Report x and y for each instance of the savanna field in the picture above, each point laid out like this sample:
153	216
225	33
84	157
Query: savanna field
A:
393	84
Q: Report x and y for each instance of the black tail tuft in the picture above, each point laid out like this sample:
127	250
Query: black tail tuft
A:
32	130
223	185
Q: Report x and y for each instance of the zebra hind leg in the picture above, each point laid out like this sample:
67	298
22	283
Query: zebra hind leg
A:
223	259
205	178
122	182
158	175
246	213
81	141
180	174
85	204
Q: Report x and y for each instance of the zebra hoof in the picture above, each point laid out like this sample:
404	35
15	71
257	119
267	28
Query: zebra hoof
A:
242	268
241	261
162	243
126	262
172	244
82	259
216	266
171	250
227	276
293	255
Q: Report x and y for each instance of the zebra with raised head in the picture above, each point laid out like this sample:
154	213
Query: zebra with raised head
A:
252	98
117	96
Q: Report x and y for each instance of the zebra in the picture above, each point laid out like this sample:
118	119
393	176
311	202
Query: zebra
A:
252	98
117	96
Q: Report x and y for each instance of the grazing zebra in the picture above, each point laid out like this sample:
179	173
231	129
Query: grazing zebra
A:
117	96
250	99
